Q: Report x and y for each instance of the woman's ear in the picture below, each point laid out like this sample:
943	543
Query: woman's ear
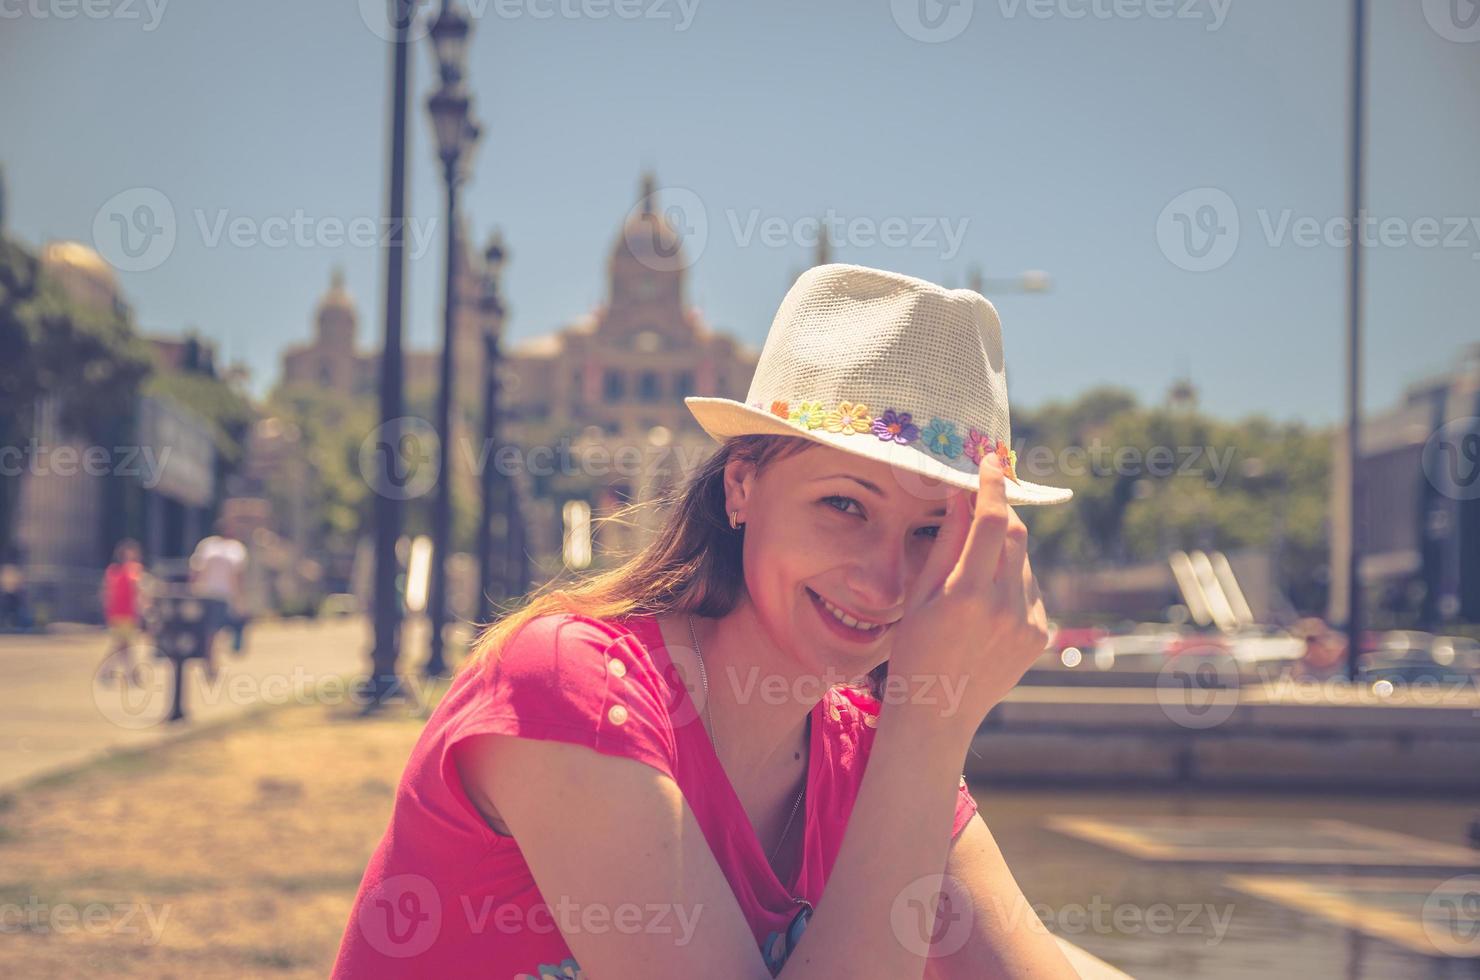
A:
740	477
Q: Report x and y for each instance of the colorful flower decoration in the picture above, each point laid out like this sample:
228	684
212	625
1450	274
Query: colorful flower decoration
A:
566	969
848	418
977	446
1008	459
942	438
808	415
895	426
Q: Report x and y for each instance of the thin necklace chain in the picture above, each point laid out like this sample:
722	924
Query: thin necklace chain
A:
704	683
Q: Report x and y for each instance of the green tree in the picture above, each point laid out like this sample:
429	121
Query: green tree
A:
330	428
1148	481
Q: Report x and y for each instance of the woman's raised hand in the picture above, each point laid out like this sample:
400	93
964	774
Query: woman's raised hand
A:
975	621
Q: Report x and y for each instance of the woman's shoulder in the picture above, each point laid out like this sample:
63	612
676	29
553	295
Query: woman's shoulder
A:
568	628
568	638
573	677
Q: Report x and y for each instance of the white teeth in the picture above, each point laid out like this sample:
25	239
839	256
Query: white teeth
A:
848	620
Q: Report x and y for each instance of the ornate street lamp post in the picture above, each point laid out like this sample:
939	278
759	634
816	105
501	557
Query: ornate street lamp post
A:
456	133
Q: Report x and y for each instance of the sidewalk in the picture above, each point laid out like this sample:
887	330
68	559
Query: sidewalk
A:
54	714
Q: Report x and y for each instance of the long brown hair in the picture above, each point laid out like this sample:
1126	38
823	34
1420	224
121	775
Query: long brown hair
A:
693	565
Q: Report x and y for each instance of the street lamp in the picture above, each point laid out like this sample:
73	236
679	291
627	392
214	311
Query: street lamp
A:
1031	281
492	307
449	33
384	653
449	108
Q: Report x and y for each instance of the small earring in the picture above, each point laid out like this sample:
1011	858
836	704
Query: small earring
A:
735	521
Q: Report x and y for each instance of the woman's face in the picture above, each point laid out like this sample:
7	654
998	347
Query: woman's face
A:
834	544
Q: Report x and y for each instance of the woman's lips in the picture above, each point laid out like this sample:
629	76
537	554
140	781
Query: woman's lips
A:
838	629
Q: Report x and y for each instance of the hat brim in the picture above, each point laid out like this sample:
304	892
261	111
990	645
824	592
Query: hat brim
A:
724	418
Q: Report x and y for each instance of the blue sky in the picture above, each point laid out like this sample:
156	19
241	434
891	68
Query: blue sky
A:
1046	134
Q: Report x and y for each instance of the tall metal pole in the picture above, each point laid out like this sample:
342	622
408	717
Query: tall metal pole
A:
387	504
488	455
436	665
493	309
516	559
1354	337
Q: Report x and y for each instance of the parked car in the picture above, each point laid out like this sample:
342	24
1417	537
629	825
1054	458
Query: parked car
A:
1406	657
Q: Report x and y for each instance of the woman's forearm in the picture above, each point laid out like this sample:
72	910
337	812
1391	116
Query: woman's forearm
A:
876	917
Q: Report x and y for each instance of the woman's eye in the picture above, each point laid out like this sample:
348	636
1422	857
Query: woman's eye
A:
841	503
934	531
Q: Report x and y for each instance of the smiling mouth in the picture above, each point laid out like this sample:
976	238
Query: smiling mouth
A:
848	619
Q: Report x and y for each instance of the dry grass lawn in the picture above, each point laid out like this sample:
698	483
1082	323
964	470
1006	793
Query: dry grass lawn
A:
235	852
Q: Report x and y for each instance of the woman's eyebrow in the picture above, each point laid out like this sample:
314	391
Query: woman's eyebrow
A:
856	479
938	512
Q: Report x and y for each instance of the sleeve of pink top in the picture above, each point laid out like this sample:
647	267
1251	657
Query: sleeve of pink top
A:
571	679
965	807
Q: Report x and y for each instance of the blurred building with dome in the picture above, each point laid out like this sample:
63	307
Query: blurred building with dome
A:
612	380
624	366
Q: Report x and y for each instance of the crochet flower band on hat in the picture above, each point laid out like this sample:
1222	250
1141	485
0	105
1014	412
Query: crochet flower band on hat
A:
940	436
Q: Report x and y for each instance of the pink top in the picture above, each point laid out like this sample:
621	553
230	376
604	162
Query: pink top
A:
121	590
446	896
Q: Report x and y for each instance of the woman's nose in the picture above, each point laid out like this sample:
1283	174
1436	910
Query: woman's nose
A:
877	578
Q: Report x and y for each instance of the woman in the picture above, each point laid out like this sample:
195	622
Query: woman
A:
655	773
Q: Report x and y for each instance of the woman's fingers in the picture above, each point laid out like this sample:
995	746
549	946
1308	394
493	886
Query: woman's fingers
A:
1014	550
946	550
984	539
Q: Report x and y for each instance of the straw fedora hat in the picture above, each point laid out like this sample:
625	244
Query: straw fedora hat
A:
885	366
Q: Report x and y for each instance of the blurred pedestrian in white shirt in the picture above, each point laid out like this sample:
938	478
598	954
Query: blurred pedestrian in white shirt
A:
217	570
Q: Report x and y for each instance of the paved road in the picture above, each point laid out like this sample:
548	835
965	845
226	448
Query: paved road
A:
54	713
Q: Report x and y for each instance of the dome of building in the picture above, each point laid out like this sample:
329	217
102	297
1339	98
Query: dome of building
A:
648	236
78	256
83	273
337	297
